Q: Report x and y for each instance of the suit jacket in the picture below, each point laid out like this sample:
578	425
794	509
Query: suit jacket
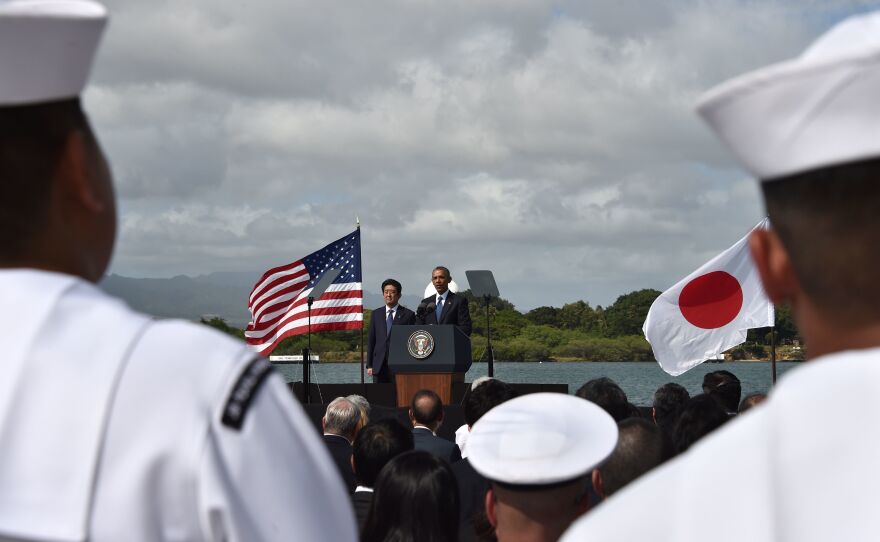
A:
378	348
472	487
424	439
455	312
362	501
340	449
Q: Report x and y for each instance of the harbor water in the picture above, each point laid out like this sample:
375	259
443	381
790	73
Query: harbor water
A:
638	379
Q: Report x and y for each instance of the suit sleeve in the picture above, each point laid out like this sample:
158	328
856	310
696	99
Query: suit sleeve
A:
271	479
464	316
409	318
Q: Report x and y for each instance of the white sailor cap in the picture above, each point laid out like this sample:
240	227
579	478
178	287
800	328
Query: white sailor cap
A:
540	440
46	48
819	109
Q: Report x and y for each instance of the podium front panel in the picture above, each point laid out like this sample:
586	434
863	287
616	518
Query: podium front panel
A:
429	349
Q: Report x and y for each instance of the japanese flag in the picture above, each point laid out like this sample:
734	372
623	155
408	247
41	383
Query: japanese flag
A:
710	311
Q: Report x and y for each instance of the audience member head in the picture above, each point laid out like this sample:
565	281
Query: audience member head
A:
641	446
819	163
58	209
538	451
484	398
669	400
634	411
341	418
364	407
724	387
479	380
608	395
426	409
415	500
361	402
826	221
752	400
377	444
701	415
45	149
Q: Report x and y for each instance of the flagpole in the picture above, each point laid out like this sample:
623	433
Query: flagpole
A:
358	220
773	351
307	357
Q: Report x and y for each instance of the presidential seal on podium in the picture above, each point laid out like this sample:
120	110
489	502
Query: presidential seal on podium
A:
420	344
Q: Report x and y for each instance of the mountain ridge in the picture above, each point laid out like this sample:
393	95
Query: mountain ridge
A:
223	294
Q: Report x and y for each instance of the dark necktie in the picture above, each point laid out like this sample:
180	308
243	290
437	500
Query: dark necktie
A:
439	310
389	321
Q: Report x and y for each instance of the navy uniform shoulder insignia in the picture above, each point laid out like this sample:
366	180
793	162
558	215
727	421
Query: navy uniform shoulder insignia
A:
244	391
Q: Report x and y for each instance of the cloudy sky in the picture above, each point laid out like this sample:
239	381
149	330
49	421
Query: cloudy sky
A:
551	142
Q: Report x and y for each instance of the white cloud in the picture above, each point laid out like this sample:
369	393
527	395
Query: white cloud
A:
552	142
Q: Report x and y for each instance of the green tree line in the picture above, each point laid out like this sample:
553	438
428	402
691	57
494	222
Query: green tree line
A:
574	332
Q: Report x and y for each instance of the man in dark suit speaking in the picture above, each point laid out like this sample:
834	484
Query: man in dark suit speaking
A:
383	319
445	307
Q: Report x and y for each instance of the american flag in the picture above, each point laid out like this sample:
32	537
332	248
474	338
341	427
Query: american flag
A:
278	302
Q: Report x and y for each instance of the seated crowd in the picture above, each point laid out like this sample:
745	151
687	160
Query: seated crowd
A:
514	478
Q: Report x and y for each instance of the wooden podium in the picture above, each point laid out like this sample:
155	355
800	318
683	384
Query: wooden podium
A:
427	357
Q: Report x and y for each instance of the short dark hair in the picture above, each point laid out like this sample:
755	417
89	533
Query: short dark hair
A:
725	387
376	444
484	398
32	139
608	395
416	498
828	222
444	269
392	282
641	446
701	415
426	414
669	399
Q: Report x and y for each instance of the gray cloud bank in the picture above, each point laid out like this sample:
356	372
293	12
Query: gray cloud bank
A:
552	142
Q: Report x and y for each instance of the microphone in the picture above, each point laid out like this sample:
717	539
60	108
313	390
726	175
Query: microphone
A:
431	306
420	310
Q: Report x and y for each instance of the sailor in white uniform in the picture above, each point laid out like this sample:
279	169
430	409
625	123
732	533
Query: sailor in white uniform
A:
538	452
114	426
805	465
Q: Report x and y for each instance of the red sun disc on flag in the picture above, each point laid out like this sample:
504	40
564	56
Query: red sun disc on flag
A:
712	300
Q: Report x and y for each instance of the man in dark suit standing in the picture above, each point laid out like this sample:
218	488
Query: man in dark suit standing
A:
445	307
383	319
426	415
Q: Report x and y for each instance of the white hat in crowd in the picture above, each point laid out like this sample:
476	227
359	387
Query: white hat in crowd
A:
819	109
46	48
541	439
